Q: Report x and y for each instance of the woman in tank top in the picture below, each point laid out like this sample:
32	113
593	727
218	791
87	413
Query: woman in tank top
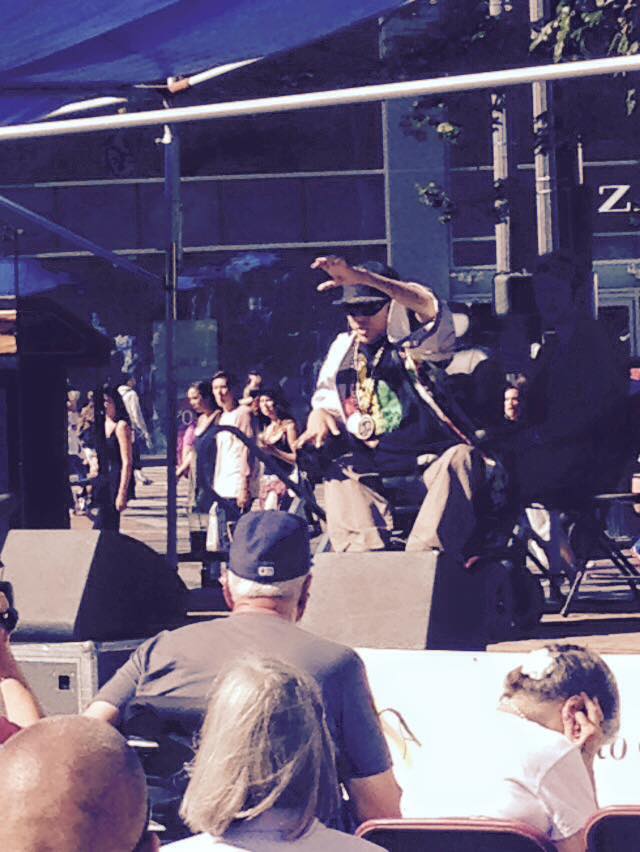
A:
278	438
115	460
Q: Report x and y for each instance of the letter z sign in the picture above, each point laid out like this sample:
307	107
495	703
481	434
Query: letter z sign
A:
614	193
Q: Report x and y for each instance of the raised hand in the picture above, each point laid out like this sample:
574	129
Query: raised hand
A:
339	272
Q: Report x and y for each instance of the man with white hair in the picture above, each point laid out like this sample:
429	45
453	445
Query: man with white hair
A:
267	586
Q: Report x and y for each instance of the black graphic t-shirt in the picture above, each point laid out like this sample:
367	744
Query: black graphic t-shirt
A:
405	425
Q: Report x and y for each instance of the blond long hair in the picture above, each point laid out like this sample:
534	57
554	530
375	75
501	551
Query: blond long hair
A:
264	744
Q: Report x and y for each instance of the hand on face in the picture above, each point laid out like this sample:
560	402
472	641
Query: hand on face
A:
583	719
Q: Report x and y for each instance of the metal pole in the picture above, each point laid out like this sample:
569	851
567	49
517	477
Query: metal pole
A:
334	97
171	142
20	391
500	142
78	240
545	152
504	169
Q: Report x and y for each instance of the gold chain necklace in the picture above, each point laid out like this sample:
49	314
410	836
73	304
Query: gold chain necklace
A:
366	384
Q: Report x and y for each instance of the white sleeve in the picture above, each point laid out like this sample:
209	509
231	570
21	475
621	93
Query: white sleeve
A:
132	404
567	795
433	341
326	394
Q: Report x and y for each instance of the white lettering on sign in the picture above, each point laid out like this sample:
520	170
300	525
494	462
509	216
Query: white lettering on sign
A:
615	192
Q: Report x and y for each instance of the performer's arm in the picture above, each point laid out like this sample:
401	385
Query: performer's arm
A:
415	297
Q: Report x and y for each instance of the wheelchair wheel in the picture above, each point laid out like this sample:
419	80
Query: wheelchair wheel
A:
496	599
528	599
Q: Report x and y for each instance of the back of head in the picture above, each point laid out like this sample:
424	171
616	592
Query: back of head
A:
270	547
264	745
71	783
559	671
560	265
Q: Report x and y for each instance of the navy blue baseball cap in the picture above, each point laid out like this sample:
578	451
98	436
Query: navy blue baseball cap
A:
270	547
358	294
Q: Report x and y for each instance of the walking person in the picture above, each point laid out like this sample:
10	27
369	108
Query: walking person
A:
199	463
138	425
115	459
233	469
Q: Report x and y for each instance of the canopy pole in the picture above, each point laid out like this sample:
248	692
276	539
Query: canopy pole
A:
78	240
171	143
334	97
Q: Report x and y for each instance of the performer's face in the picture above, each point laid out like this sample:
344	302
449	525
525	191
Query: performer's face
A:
368	327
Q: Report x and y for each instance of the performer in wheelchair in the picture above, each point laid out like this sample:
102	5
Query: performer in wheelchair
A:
380	403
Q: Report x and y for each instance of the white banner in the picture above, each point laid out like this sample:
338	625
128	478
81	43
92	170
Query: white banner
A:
440	693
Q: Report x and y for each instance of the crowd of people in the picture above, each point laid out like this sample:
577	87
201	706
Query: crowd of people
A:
225	477
292	754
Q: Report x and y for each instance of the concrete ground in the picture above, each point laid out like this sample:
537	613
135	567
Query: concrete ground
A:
606	619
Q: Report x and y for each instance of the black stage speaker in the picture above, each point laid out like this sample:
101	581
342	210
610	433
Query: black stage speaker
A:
87	584
396	600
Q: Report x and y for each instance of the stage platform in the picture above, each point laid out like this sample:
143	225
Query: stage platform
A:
604	619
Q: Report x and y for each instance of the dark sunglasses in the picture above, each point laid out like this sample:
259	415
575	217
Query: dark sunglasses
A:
364	309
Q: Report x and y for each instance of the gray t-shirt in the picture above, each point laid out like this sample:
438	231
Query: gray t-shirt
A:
260	835
181	664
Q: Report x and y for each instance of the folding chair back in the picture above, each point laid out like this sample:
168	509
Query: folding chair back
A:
460	835
614	829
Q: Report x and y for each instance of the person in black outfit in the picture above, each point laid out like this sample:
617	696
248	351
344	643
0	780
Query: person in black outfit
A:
576	419
115	459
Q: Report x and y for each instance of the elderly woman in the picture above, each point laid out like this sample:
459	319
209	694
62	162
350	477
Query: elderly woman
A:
532	760
264	770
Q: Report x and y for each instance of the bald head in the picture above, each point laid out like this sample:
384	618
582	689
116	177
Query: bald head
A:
71	784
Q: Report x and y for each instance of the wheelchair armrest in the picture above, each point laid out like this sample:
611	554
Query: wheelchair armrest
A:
622	497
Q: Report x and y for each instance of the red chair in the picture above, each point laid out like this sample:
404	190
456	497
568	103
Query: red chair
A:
459	835
614	829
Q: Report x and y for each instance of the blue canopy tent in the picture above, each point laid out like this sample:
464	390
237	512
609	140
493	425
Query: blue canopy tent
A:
55	54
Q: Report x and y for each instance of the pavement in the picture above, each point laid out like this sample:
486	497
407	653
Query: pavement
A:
605	617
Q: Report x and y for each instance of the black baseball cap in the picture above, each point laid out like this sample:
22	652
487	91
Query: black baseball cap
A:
270	547
360	294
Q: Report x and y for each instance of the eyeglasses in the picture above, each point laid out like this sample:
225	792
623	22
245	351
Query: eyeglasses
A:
364	309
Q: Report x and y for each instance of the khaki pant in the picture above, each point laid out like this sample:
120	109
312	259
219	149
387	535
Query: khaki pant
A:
359	518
